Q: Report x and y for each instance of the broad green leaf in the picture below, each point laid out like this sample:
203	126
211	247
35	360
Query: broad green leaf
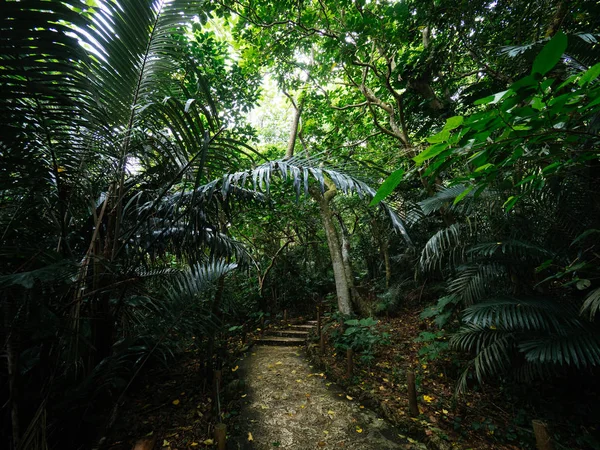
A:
454	122
442	136
590	75
493	99
387	186
430	152
550	54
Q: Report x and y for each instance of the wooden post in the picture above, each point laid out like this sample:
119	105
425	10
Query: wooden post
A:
262	322
285	315
318	321
412	393
543	439
217	378
349	362
145	444
322	344
221	436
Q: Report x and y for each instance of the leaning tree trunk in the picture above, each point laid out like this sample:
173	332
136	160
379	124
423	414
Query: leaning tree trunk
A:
342	287
357	300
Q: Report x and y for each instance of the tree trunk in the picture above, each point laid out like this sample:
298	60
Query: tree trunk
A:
385	249
342	287
295	124
12	356
356	298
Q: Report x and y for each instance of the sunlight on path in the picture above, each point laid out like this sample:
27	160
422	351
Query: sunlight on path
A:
290	405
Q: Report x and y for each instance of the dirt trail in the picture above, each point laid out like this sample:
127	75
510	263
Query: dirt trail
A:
290	405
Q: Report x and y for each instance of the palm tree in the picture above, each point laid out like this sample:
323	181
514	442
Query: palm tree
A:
105	142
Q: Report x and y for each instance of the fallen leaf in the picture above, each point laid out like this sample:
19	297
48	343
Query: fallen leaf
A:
235	368
428	398
322	444
359	429
208	442
175	402
245	395
348	397
361	407
250	438
445	411
278	363
166	443
194	444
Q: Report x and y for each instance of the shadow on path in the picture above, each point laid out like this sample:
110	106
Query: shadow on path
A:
289	405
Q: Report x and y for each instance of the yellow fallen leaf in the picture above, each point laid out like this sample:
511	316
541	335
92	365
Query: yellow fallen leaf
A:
330	412
361	407
298	381
208	442
386	380
235	368
194	444
428	398
348	397
250	438
325	431
175	402
359	429
278	363
245	395
445	411
166	443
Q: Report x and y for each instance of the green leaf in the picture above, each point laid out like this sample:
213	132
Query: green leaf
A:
510	203
442	136
454	122
430	152
590	75
493	99
463	194
387	186
550	54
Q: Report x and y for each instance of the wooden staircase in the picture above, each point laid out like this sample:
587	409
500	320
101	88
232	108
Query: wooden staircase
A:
290	335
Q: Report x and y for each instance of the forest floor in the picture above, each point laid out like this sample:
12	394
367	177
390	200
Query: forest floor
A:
275	397
291	405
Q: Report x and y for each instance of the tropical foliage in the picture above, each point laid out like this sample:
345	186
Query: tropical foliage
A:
135	179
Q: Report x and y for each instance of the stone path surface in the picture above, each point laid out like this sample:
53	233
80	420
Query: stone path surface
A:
290	405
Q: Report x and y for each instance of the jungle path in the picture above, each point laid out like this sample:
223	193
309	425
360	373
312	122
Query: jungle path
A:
290	405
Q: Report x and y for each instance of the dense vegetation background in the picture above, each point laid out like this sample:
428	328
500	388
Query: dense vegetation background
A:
172	171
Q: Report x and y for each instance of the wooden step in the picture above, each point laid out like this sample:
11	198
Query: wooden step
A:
281	341
305	328
312	322
303	334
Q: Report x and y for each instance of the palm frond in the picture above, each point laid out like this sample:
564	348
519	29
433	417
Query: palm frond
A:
473	282
523	315
448	244
579	347
301	172
591	306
